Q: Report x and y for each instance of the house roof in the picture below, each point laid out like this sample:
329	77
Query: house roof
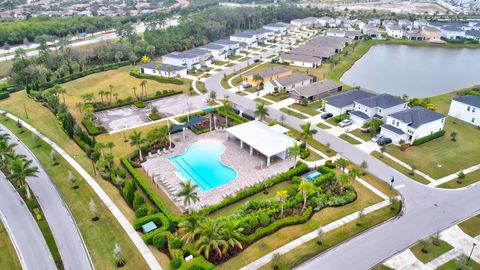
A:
417	116
471	100
266	140
276	25
181	55
212	46
197	51
394	27
314	51
268	72
261	31
247	34
431	29
473	33
360	114
383	101
153	65
316	88
300	57
393	129
292	79
225	42
416	34
347	98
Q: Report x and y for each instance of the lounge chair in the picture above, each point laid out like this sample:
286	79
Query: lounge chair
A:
159	152
165	150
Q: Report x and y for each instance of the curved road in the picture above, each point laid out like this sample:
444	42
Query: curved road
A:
31	248
67	236
427	210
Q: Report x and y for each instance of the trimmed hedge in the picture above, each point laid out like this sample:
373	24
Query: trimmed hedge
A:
301	168
159	79
154	116
157	218
93	129
148	191
139	104
197	263
428	138
4	95
11	88
164	93
85	147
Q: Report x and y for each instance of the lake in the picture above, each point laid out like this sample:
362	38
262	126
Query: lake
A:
415	71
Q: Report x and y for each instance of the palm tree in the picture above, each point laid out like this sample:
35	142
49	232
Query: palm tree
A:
143	84
110	146
307	132
341	163
231	233
136	140
116	97
110	94
20	169
282	196
343	181
261	111
135	92
101	93
305	188
354	173
189	194
257	78
225	109
210	239
190	227
295	151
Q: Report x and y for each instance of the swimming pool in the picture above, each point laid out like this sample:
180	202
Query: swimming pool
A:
202	165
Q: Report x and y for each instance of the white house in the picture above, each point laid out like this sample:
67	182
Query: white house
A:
231	46
218	52
343	103
181	59
452	32
412	124
394	31
364	110
288	83
418	24
300	60
466	108
168	71
249	38
325	21
305	23
386	23
342	21
372	31
374	21
335	33
357	23
204	56
278	28
263	34
405	24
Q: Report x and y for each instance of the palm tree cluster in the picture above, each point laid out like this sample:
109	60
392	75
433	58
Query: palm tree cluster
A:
156	138
16	167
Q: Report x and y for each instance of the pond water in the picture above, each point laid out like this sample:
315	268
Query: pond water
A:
415	71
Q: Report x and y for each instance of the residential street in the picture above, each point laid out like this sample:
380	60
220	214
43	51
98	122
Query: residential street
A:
23	230
61	222
427	210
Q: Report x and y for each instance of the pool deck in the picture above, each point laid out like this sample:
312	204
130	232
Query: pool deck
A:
250	169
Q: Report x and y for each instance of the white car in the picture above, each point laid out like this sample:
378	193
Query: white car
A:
345	123
377	137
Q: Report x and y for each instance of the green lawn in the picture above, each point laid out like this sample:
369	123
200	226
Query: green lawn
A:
5	68
399	168
337	119
382	186
219	63
432	251
292	113
323	126
234	57
313	156
8	256
460	264
381	267
310	109
313	143
201	86
224	81
471	226
469	179
442	156
276	98
349	139
100	236
52	245
362	135
261	100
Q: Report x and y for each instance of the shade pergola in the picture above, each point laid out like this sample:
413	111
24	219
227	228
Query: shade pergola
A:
269	141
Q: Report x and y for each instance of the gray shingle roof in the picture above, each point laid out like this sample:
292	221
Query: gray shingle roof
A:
212	46
469	100
383	101
292	79
473	33
153	65
197	51
268	72
316	88
225	42
393	129
300	57
360	114
248	34
347	98
417	116
180	55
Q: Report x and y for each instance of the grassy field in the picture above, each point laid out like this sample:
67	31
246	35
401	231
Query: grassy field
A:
201	86
285	235
224	81
313	156
332	238
5	68
323	126
455	265
399	167
442	156
122	85
458	183
362	135
276	98
261	100
345	137
471	226
311	109
382	186
433	251
292	113
8	256
100	236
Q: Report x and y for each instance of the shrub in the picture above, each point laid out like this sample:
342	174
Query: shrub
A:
139	104
160	241
142	211
129	189
176	243
197	263
4	95
138	200
428	138
93	129
264	219
159	79
154	116
330	164
175	263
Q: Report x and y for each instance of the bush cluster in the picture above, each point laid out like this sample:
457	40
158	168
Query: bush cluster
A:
159	79
139	104
93	129
154	116
428	138
4	95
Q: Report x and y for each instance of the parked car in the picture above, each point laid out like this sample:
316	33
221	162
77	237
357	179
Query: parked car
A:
377	137
345	123
326	115
247	85
256	60
384	141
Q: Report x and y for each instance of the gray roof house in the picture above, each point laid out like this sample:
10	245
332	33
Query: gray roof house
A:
315	91
289	82
466	108
300	59
342	103
378	106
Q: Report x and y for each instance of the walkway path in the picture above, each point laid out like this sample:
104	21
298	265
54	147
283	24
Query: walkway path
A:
64	228
31	248
454	176
136	239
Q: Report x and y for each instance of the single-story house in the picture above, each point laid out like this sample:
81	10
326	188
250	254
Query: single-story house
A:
372	32
466	108
412	124
180	59
270	141
300	60
364	110
266	74
232	46
164	70
218	52
315	91
431	33
394	31
343	103
288	83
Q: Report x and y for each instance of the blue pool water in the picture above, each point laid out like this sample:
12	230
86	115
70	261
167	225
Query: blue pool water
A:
201	164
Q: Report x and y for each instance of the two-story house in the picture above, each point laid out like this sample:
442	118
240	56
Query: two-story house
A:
466	108
364	110
249	38
205	57
279	28
231	46
218	52
181	59
412	124
343	103
394	31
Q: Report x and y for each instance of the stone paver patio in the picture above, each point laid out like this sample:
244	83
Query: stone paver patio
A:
250	169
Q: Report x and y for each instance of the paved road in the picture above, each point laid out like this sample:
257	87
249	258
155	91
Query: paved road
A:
61	222
27	239
427	210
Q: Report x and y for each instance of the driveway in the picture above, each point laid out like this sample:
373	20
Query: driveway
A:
27	239
60	220
427	210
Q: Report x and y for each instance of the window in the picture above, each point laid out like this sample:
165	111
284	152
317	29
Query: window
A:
468	108
473	120
473	109
379	110
398	122
443	120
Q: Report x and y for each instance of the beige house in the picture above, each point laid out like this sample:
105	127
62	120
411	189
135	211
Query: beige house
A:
431	33
266	74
